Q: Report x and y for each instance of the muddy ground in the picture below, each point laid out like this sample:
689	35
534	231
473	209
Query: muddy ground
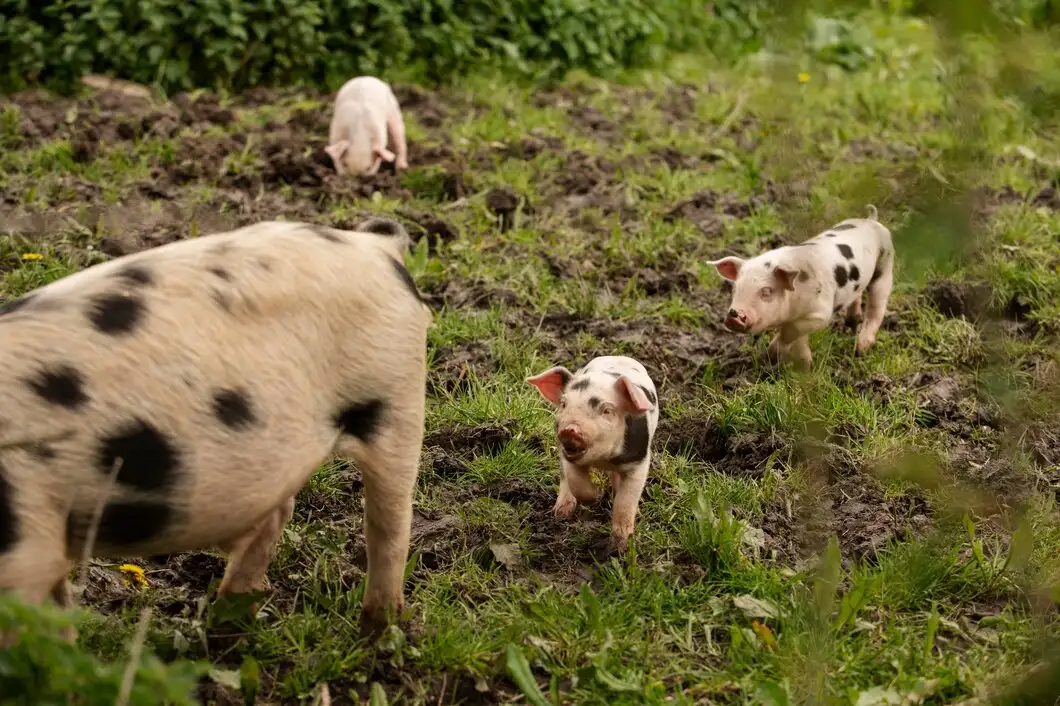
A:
292	176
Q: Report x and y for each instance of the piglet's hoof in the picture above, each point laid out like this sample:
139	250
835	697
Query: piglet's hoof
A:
565	509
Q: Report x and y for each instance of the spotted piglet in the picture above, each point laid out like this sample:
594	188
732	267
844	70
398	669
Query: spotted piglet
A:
607	415
798	289
183	395
366	115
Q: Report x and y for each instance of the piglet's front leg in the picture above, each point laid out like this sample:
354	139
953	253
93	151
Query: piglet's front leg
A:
628	488
575	486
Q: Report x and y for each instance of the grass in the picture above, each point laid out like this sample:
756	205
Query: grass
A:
882	528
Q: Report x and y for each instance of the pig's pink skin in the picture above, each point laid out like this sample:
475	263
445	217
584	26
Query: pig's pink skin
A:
367	116
799	288
607	413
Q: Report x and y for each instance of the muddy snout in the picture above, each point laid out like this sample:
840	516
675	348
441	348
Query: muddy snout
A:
572	442
737	321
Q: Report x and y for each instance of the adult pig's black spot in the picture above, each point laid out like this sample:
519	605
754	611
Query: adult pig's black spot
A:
361	419
62	385
8	520
846	250
115	314
840	275
149	461
121	524
232	407
855	273
42	451
221	273
136	275
634	441
406	279
844	226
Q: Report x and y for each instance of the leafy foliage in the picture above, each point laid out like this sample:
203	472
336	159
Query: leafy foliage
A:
42	667
240	43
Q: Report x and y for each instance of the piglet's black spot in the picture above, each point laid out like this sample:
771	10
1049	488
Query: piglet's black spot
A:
61	385
220	272
634	441
840	275
838	308
232	407
846	250
149	461
650	395
8	520
361	419
580	384
406	279
844	226
594	403
115	314
768	264
855	273
876	273
804	276
136	275
830	235
326	233
121	525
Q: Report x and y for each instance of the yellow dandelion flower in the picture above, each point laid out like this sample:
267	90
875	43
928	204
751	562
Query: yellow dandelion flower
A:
803	77
599	478
135	573
32	256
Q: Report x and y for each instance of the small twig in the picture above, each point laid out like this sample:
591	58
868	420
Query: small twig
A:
134	657
97	515
731	117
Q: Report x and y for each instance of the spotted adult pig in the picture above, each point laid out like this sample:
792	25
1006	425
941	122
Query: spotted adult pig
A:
177	399
798	289
607	413
366	113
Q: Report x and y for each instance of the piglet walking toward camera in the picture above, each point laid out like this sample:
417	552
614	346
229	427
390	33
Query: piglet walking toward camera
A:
607	413
366	115
798	289
179	398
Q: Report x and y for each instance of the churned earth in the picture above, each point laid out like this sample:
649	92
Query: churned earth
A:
556	224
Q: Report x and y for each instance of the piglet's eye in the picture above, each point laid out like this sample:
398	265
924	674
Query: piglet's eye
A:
766	291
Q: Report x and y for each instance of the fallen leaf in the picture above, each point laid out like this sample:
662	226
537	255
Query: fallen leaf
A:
508	555
755	607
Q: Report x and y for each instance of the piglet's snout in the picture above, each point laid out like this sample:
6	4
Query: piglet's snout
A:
736	321
572	441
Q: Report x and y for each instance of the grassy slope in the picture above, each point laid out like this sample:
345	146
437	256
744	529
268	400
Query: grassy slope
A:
914	603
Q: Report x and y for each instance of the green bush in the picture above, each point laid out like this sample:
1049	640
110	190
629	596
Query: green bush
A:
181	45
42	668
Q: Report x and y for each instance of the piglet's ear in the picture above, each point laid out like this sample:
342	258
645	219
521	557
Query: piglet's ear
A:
551	383
786	275
337	150
728	267
635	396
